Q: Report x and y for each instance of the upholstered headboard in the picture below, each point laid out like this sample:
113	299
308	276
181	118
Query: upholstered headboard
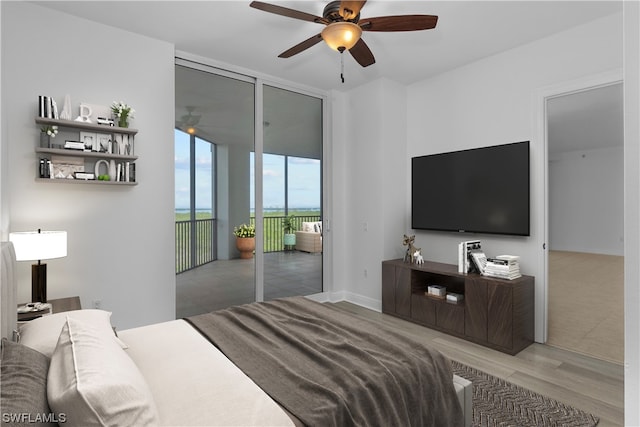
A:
8	291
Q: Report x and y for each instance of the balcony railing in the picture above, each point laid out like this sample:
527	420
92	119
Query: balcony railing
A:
196	241
274	232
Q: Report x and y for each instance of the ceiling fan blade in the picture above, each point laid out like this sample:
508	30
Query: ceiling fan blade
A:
350	9
362	54
289	13
399	23
311	41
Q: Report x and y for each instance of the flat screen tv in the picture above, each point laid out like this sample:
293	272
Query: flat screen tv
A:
482	190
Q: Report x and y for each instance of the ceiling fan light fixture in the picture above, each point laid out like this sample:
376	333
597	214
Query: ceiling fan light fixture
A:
341	34
191	130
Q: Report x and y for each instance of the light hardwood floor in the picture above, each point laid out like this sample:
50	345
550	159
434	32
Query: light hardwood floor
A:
593	385
586	304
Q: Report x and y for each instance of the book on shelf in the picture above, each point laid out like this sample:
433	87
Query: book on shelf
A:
74	145
437	291
47	107
503	266
454	297
503	275
511	258
465	264
479	260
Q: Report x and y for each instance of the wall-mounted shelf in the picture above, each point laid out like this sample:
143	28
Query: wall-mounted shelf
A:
86	154
84	181
62	160
92	127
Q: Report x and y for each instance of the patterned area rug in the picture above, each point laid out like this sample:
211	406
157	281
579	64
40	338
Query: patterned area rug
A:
497	402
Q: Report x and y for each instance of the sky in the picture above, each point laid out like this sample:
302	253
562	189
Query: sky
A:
304	178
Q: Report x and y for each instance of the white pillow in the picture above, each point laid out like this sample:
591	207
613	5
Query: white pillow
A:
42	334
95	383
307	226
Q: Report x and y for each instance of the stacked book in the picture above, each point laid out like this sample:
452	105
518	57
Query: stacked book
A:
436	291
454	298
503	267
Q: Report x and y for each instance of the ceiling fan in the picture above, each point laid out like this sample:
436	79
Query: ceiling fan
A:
189	120
344	27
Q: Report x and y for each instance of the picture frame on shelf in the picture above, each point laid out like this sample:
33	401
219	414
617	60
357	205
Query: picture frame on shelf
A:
64	167
89	139
104	143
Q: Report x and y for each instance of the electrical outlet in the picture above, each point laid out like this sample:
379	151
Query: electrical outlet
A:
97	304
365	272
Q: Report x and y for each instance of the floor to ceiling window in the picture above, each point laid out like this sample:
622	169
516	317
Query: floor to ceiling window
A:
247	183
194	201
292	189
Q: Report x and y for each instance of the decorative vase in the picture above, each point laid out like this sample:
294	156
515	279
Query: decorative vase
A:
289	240
112	170
246	246
45	140
123	122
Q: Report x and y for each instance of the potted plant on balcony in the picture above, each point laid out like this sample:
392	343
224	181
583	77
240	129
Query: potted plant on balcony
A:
245	240
288	224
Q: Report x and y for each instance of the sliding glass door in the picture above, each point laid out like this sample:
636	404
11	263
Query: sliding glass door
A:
292	193
214	114
264	148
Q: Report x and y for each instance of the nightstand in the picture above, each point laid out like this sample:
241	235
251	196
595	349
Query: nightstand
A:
58	305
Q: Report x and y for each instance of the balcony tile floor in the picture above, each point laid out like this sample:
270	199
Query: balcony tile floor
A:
222	283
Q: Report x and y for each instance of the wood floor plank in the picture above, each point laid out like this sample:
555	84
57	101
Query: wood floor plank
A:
593	385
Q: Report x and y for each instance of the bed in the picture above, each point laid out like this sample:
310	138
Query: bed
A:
287	362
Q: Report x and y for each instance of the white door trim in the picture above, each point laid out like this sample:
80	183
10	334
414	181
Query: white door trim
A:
540	162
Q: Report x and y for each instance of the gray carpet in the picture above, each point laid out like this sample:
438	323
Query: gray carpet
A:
497	402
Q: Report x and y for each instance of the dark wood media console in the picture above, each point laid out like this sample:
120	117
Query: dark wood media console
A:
496	313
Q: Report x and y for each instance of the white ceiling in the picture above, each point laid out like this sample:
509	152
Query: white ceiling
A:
586	120
234	33
230	32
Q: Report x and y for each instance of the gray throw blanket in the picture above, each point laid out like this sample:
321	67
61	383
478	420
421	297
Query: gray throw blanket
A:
329	368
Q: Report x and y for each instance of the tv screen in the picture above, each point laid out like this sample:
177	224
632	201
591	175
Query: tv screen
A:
482	190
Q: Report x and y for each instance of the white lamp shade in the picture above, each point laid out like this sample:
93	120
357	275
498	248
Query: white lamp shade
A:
33	245
341	34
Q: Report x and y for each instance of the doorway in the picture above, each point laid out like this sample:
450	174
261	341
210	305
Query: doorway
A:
585	279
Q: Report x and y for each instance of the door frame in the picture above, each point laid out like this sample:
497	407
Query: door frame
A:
540	98
259	81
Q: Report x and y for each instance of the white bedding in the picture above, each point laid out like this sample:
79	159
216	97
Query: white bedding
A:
193	383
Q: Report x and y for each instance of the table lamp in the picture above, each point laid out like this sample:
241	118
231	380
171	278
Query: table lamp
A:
37	246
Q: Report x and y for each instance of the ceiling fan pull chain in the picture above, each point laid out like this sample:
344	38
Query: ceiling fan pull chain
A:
342	66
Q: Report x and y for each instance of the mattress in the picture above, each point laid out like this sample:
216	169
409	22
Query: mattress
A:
195	384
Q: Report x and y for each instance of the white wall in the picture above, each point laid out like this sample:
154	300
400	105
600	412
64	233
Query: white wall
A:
632	212
374	178
120	239
586	199
491	102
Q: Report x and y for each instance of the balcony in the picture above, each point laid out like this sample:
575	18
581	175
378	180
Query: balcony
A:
205	283
201	249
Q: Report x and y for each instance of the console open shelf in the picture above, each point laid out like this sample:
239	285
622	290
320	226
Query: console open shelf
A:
496	313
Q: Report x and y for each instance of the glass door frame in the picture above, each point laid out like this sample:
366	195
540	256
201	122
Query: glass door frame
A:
259	81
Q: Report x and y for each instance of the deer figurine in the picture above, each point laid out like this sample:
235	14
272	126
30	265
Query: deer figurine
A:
417	257
408	242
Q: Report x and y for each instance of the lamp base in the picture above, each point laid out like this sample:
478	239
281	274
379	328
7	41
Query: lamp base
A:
39	282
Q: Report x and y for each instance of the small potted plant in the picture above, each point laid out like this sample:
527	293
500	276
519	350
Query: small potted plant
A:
288	224
122	113
245	240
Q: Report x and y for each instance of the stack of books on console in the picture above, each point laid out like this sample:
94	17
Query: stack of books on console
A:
436	291
503	267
